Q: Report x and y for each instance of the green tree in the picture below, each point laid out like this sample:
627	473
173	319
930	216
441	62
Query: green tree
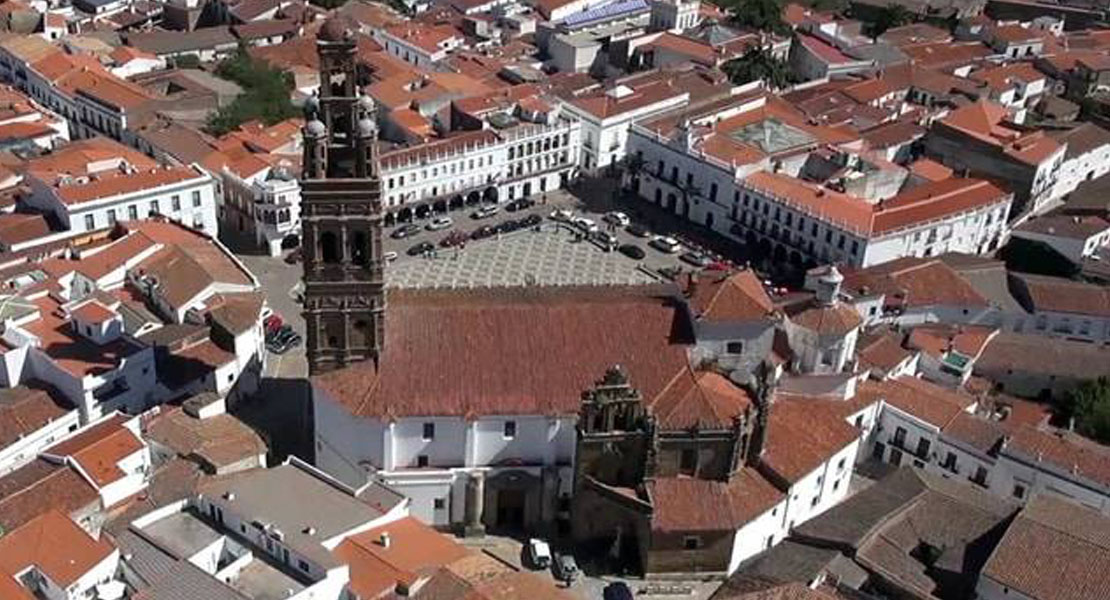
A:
891	16
265	96
1089	405
764	15
758	63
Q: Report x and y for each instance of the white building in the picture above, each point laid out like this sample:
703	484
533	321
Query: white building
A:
420	46
93	184
732	166
675	16
1087	157
51	557
293	514
110	454
1075	237
36	419
530	150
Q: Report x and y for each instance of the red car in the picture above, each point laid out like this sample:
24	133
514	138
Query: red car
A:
455	238
273	323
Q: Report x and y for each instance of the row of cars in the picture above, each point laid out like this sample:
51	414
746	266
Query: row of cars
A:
445	222
564	568
609	242
280	337
459	238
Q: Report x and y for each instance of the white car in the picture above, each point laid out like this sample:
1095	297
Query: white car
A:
485	211
539	554
665	244
617	218
561	215
439	223
586	225
389	256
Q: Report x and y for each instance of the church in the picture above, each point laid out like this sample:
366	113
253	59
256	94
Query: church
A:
644	421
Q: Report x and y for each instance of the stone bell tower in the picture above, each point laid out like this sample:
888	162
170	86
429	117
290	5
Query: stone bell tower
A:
341	213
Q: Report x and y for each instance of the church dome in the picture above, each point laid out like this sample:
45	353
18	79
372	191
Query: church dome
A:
366	104
335	29
367	128
316	128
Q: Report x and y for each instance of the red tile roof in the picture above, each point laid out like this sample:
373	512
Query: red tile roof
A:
41	486
937	339
99	448
803	434
704	400
92	311
70	351
474	352
913	282
26	409
989	123
725	296
936	200
1071	544
927	401
838	319
1066	451
54	545
1056	294
683	504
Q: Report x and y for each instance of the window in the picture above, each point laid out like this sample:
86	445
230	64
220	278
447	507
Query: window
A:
836	485
734	347
422	461
1019	491
329	247
691	542
900	436
950	461
154	207
859	421
90	222
302	565
509	430
816	500
111	216
132	212
175	202
196	198
923	448
840	465
439	503
688	461
429	432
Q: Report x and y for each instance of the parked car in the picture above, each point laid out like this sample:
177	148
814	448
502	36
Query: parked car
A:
439	223
532	220
420	248
283	340
539	554
405	231
509	226
485	212
666	244
584	224
617	218
604	239
520	204
696	258
638	230
483	232
632	251
618	590
389	256
565	568
561	215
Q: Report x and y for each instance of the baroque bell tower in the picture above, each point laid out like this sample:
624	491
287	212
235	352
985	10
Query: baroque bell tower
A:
341	213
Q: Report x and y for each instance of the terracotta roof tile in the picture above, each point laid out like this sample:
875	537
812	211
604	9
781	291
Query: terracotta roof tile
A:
93	311
494	368
913	282
937	339
882	350
1057	294
703	400
25	409
686	504
725	296
41	486
926	401
99	448
802	435
54	545
838	319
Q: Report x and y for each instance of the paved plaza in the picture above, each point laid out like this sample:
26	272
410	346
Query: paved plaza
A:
547	257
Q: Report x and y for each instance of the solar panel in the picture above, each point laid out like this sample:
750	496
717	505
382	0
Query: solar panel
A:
608	11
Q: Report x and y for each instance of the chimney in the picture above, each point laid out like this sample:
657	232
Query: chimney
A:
384	540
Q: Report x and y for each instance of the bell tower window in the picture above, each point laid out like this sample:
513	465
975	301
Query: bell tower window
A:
329	247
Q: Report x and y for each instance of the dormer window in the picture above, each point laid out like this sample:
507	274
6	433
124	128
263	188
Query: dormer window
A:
734	347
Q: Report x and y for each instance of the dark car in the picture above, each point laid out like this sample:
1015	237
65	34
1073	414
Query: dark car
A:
638	230
697	259
632	251
532	220
618	590
405	231
565	568
521	204
420	248
507	226
283	340
483	232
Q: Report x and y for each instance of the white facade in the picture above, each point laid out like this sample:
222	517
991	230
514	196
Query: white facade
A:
605	139
191	202
1073	248
1087	166
138	66
270	199
518	162
417	54
433	470
675	16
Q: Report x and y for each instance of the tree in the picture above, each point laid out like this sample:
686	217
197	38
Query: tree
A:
891	16
265	94
758	63
1089	405
1030	256
764	15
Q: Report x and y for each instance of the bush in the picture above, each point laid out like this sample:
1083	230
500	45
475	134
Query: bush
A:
265	94
1089	405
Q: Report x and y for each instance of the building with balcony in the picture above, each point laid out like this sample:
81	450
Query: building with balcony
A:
530	147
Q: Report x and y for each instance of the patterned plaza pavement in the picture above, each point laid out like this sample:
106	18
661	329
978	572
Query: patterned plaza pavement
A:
548	257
